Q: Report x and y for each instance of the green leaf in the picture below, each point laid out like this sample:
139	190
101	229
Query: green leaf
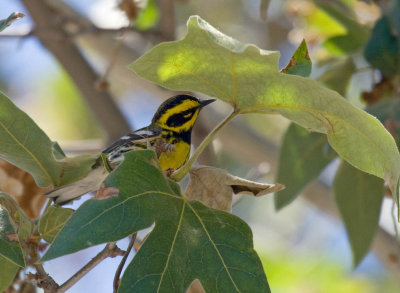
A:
302	158
8	272
245	76
148	17
338	76
394	16
303	154
52	222
359	198
25	145
21	222
189	240
300	63
10	249
382	50
356	34
4	23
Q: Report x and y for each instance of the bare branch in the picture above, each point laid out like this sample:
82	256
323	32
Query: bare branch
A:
44	281
167	20
57	41
110	250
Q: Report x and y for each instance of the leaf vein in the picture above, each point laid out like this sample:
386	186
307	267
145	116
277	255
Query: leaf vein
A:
324	114
215	247
172	246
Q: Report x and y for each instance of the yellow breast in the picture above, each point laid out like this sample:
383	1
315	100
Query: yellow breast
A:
175	160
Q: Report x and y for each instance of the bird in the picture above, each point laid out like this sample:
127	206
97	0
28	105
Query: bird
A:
169	134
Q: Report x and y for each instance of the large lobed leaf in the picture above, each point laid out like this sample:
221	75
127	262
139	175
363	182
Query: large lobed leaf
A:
25	145
189	241
245	76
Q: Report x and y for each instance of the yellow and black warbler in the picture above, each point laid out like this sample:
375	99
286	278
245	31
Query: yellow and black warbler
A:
171	126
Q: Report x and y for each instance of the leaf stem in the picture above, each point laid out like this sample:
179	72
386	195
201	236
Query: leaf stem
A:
180	173
110	250
122	263
106	163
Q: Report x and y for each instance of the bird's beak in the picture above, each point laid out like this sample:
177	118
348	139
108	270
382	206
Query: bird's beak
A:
206	102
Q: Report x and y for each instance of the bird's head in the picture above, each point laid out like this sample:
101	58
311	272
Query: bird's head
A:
179	113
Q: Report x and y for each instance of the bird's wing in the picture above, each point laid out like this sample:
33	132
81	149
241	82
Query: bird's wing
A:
138	139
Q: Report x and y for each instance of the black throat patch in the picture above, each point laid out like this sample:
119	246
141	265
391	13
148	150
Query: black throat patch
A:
174	137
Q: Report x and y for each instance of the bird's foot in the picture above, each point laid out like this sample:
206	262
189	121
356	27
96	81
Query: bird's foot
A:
161	146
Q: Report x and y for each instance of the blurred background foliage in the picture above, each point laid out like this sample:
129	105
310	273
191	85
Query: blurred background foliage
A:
354	47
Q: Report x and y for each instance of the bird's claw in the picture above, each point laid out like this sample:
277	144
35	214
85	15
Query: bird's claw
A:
161	146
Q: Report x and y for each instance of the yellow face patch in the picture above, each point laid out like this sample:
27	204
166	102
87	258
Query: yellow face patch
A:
184	106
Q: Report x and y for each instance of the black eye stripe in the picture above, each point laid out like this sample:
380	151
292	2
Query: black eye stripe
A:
179	118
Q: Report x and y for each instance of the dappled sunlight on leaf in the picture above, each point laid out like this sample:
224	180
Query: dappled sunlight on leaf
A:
248	78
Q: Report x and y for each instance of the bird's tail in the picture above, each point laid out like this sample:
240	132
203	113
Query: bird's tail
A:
90	183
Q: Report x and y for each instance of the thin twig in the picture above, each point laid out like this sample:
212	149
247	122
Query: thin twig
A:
396	230
122	263
113	59
44	281
68	54
167	19
110	250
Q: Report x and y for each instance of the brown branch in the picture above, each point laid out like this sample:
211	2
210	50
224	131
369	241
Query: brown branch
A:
52	35
122	263
82	31
44	281
41	278
167	18
110	250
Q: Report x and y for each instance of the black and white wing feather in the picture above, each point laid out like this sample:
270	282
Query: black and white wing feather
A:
140	139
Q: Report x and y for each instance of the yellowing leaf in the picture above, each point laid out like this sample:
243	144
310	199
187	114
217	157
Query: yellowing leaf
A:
247	77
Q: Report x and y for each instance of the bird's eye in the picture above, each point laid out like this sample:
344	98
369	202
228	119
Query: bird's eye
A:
188	115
